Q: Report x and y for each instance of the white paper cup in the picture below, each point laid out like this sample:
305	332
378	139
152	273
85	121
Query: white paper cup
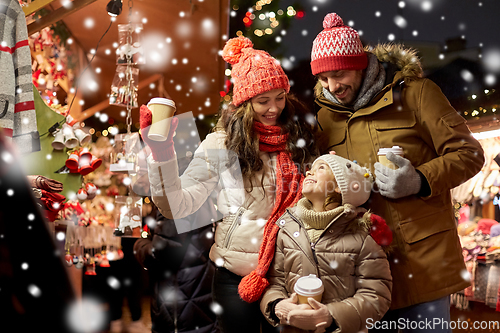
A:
309	286
382	152
162	110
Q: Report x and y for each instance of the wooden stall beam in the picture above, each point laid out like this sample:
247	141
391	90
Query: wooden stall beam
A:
35	5
56	15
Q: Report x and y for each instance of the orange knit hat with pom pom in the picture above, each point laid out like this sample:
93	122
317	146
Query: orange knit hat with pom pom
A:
337	47
254	71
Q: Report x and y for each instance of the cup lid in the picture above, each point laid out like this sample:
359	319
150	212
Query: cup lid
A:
308	286
161	100
397	150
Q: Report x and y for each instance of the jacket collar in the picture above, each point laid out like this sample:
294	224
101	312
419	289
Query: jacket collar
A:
384	98
336	227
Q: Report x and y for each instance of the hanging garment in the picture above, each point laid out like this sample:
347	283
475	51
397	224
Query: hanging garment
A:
17	108
48	160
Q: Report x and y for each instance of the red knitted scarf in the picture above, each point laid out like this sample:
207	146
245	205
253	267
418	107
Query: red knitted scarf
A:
288	192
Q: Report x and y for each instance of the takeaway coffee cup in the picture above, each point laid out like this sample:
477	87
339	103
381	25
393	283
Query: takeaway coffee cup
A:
308	286
162	110
382	152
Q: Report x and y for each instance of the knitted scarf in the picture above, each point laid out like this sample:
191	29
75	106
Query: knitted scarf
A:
372	84
288	192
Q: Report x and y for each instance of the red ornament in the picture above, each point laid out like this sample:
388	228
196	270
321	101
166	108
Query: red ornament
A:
90	188
104	261
82	194
69	259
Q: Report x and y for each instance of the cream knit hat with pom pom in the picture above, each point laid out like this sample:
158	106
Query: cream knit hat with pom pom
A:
354	181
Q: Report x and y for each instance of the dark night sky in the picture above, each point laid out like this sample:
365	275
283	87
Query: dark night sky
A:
478	21
427	22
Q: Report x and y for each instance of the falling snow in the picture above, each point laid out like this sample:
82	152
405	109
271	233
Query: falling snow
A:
301	143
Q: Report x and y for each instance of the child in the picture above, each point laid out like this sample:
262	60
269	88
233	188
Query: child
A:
327	234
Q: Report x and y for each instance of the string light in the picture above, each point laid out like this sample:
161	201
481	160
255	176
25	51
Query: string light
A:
269	18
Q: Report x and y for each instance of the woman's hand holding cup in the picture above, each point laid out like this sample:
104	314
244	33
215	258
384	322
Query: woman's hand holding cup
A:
161	150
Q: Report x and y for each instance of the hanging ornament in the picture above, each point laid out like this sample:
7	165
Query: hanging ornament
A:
104	261
69	259
82	194
91	190
90	267
130	44
127	146
80	263
128	222
125	86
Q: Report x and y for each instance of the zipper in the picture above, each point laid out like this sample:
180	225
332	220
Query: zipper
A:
313	245
234	225
313	248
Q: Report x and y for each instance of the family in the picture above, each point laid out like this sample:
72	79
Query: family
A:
317	201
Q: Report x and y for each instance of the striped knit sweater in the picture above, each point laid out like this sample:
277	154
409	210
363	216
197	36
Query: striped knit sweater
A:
17	108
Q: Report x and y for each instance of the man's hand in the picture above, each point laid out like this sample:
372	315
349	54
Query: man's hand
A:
398	183
316	317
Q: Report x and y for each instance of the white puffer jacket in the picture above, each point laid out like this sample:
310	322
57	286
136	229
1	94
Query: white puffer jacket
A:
246	208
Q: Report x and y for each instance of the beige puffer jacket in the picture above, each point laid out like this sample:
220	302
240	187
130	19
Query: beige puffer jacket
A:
353	267
246	208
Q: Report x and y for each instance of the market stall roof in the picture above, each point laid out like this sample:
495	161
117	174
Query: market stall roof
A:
181	41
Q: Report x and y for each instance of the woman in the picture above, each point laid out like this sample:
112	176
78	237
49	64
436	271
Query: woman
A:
263	137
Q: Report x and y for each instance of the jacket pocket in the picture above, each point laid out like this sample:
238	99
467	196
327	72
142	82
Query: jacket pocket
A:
4	106
394	121
234	225
395	128
420	229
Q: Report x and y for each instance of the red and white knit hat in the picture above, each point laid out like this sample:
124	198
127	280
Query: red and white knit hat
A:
337	47
254	71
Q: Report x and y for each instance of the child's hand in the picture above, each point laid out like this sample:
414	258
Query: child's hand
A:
285	306
317	318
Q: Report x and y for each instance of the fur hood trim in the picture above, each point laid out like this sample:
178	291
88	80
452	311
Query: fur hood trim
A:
406	59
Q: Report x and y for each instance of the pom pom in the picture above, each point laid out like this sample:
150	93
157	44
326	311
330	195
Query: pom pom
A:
251	287
380	231
332	20
232	51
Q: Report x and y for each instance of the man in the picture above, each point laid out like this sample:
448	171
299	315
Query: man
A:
377	98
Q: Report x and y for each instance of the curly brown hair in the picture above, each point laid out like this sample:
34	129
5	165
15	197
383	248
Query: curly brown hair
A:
296	120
